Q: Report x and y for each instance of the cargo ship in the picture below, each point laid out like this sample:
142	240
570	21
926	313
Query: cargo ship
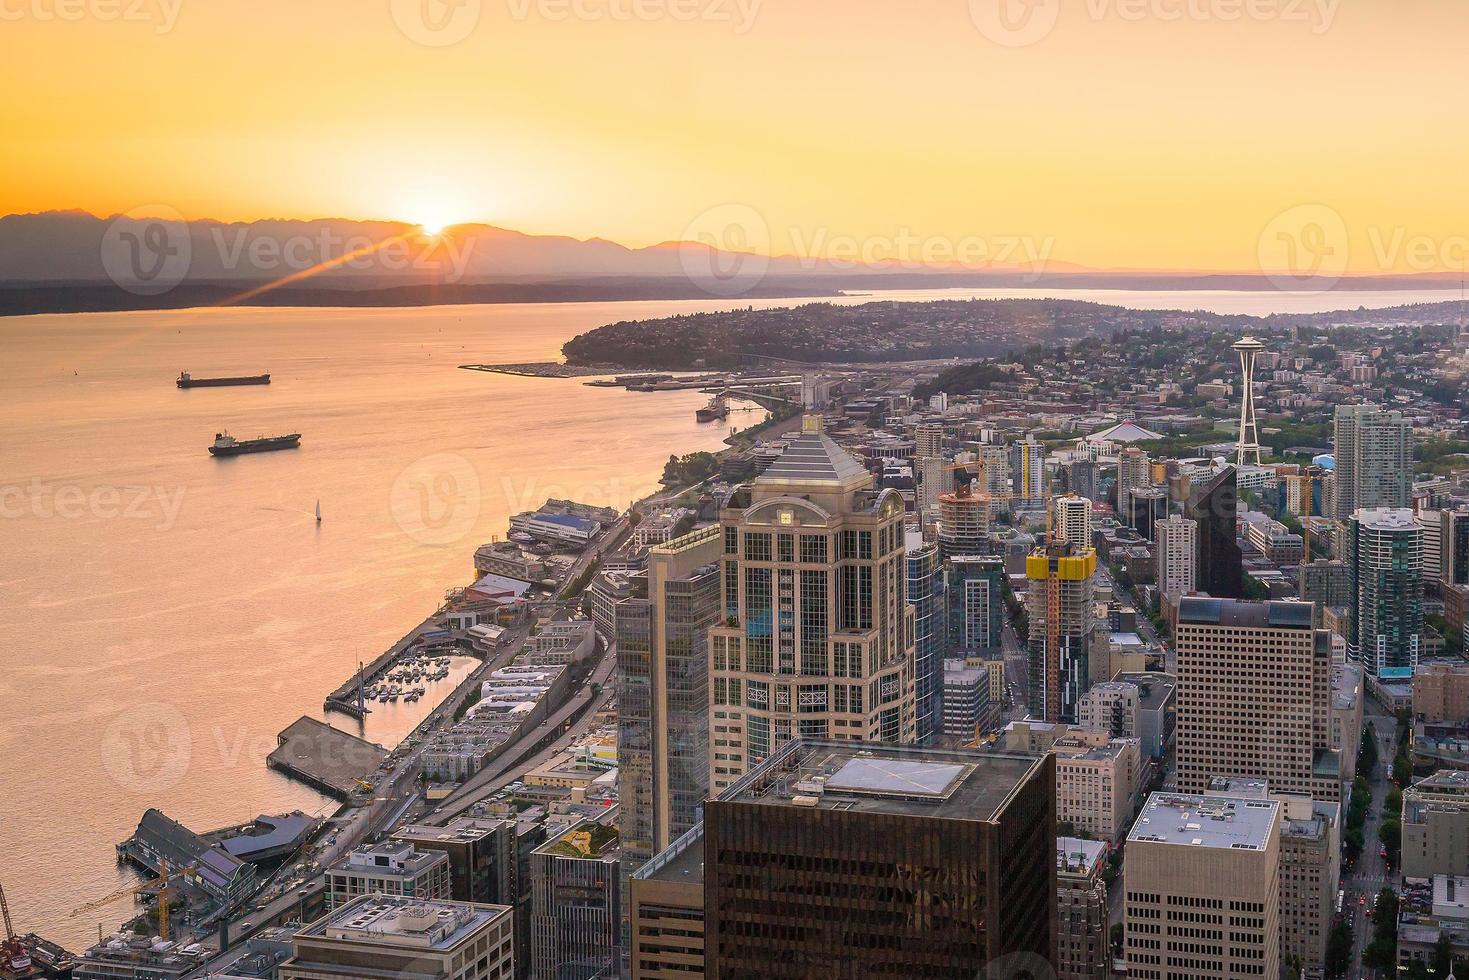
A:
227	445
188	381
715	411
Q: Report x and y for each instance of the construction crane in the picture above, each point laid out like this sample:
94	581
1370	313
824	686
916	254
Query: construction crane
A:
12	953
160	883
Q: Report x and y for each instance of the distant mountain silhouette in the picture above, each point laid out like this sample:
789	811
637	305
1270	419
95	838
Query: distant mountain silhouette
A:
73	261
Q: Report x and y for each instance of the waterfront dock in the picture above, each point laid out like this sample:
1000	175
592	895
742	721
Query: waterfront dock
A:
344	698
326	759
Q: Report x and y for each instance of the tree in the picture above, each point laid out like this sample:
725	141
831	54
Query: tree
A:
1391	835
1339	948
1443	956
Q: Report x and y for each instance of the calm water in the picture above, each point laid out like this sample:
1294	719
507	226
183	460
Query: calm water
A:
163	614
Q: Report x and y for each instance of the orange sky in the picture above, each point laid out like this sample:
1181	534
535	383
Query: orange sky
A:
1132	133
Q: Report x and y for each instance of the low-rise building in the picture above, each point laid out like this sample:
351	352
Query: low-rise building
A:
565	641
394	868
1114	707
378	936
1441	691
1157	709
1435	824
561	529
1096	782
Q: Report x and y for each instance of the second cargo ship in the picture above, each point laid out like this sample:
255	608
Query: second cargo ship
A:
227	445
188	381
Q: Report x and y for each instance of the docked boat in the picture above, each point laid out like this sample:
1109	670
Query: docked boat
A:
715	411
187	380
227	445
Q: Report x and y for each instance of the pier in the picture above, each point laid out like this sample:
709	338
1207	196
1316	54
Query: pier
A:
344	699
326	759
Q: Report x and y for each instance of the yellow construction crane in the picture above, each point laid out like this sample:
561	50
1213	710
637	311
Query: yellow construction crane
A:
160	883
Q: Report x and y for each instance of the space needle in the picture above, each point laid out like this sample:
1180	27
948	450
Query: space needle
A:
1249	435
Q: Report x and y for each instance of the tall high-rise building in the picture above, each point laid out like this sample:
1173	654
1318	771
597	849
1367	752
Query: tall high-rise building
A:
1454	546
1071	520
1214	506
663	692
1385	555
667	912
1134	471
1147	507
929	440
993	470
935	478
1247	451
1083	948
1197	868
1327	583
965	519
818	638
1062	625
1027	470
577	903
1254	696
836	859
1081	478
1177	556
1374	459
975	598
923	576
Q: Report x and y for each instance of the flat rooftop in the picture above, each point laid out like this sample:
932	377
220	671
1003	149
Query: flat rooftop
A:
682	861
1154	688
1075	856
874	778
395	921
1200	610
1206	821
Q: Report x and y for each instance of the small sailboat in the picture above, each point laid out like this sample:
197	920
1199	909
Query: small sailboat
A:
318	511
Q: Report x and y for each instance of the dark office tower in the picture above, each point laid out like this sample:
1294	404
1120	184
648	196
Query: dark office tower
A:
857	861
1220	566
1454	546
1148	507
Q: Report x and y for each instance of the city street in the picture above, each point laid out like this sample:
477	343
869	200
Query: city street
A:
1370	874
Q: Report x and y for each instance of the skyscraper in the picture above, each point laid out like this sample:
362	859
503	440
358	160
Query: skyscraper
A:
1177	555
1454	546
663	692
976	603
1374	459
1027	470
1198	868
1071	518
1385	555
817	636
844	860
1254	696
1133	473
964	522
1062	623
924	585
1247	452
929	440
1219	568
